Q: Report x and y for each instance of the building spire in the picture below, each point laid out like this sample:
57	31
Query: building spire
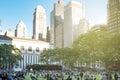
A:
60	2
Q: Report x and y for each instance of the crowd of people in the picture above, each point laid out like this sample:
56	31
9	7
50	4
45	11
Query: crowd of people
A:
12	75
58	75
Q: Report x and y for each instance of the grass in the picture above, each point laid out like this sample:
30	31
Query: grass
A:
27	77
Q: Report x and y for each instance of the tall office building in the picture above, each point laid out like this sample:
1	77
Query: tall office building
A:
73	13
52	28
58	24
39	24
114	16
21	30
48	35
82	28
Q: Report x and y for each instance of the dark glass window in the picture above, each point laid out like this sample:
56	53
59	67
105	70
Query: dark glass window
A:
37	49
30	48
22	48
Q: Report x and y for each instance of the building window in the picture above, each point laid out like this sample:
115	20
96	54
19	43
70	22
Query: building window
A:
30	48
22	48
37	49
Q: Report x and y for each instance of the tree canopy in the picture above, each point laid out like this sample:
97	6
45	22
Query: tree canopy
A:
88	48
9	55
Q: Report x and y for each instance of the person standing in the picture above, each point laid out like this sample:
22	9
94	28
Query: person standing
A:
69	78
81	75
78	78
109	76
116	76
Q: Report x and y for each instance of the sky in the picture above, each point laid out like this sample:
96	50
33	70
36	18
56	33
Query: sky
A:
12	11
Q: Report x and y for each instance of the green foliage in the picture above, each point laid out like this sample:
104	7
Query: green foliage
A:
9	55
98	46
64	55
112	56
87	48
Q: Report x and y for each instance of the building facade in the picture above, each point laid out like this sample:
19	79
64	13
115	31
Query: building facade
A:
48	35
39	24
52	27
82	28
113	16
21	30
73	13
9	32
58	24
30	49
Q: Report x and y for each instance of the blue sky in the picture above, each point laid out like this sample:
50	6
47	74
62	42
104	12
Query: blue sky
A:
11	11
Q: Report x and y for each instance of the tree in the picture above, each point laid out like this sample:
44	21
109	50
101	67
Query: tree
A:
64	56
9	55
51	55
90	47
112	56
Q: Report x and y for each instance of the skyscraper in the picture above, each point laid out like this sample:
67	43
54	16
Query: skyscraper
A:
39	24
114	16
48	35
73	13
82	27
21	30
52	27
57	24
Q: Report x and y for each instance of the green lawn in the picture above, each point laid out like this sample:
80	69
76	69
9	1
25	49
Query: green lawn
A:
27	77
